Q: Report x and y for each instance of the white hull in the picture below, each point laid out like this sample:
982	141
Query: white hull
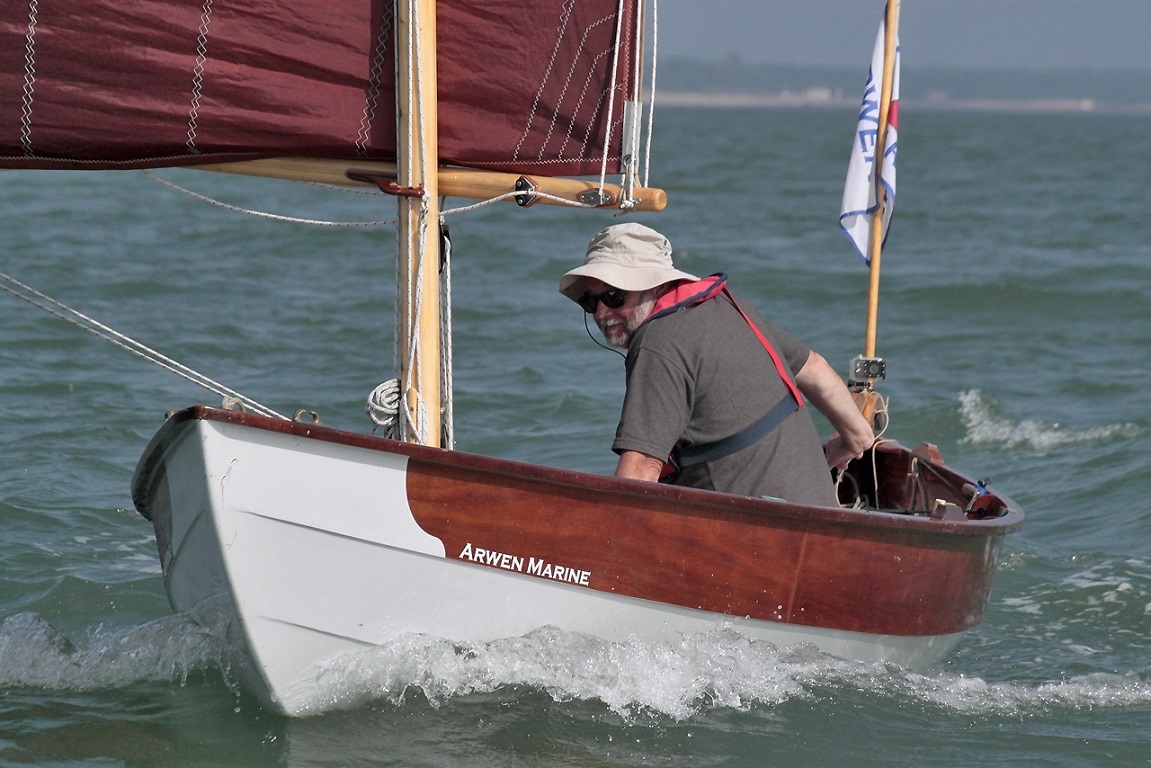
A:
314	545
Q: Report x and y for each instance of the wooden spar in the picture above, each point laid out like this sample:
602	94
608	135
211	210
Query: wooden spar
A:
876	241
466	183
418	238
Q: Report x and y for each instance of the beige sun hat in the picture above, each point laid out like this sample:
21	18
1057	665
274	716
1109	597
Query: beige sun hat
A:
628	256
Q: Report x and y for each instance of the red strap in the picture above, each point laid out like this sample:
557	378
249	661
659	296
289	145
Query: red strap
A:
689	294
779	366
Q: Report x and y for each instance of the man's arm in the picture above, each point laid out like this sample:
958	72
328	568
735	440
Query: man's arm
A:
638	466
822	386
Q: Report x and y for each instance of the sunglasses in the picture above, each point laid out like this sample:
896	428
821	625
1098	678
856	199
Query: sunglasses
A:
613	298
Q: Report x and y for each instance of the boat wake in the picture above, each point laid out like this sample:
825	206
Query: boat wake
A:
636	680
987	427
715	670
34	654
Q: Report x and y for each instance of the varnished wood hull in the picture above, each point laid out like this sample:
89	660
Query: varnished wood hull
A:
324	543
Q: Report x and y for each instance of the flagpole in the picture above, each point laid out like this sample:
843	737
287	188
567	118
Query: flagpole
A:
876	241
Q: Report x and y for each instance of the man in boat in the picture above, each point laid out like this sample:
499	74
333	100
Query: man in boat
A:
716	395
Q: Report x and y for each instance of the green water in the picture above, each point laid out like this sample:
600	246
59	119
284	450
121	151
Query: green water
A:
1014	317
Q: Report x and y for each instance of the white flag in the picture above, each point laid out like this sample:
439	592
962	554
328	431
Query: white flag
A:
860	193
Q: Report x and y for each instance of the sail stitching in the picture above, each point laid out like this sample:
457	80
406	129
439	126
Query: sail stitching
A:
198	76
566	94
579	98
565	18
583	144
372	98
29	81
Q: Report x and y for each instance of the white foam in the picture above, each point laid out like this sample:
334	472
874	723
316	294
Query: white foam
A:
975	696
676	679
636	680
720	669
986	427
34	653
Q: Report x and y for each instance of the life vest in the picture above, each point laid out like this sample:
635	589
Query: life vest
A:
692	293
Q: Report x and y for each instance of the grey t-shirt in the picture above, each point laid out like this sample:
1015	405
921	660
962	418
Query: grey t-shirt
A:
700	375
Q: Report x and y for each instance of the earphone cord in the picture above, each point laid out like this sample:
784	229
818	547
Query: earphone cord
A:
591	336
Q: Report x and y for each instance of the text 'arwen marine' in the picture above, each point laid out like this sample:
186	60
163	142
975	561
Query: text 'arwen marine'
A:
531	565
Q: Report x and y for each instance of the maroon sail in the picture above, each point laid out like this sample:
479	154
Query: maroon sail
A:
523	87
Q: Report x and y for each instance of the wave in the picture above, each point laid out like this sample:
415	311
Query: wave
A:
721	669
987	427
34	654
700	673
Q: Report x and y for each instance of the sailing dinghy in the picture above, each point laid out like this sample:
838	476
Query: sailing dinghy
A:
320	543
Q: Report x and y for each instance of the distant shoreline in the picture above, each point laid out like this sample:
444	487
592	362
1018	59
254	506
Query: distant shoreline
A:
735	83
822	99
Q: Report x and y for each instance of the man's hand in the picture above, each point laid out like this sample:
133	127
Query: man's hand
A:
822	386
839	452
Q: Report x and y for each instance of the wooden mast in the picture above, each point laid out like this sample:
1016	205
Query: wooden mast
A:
418	240
876	241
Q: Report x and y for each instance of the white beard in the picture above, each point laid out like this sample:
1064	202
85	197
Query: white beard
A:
618	333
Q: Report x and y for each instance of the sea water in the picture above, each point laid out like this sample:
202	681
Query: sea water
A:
1013	314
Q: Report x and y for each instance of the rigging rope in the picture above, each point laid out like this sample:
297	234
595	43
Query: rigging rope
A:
447	383
651	91
383	407
881	415
34	297
272	216
416	424
611	94
511	196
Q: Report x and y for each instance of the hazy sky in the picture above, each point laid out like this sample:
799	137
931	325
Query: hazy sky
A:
1030	34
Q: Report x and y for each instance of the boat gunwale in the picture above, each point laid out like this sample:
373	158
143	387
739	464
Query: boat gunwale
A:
697	498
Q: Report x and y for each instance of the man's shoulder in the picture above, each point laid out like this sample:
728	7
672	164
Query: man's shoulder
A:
700	318
691	328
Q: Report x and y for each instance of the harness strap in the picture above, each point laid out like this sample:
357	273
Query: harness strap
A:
780	368
749	435
689	294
